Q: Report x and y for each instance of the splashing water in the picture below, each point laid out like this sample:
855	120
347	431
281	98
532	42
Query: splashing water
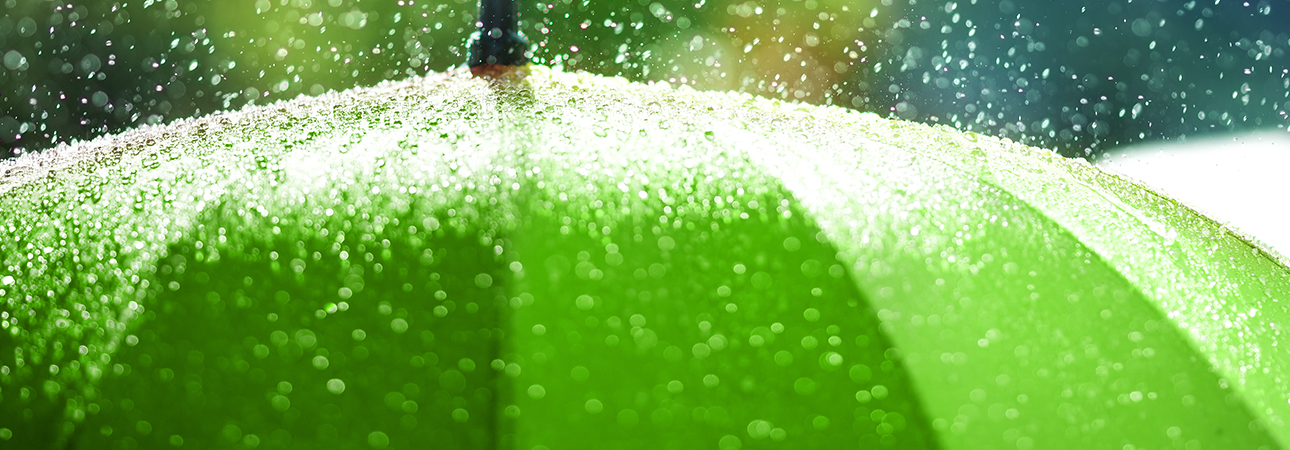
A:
1073	77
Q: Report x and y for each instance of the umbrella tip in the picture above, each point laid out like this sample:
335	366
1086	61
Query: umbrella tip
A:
498	41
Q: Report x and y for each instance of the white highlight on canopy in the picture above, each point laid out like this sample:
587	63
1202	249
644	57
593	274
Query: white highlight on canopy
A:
1240	180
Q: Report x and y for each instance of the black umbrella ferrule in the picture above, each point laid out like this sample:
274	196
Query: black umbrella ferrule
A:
498	40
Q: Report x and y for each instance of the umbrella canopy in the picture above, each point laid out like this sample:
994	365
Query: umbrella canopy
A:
564	261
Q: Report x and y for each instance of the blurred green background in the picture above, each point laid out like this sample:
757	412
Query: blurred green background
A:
1079	77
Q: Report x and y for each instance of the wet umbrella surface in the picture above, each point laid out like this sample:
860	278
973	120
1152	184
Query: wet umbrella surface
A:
552	260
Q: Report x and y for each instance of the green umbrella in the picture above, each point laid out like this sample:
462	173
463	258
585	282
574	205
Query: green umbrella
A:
558	261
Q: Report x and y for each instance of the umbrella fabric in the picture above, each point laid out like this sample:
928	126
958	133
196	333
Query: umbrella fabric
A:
565	261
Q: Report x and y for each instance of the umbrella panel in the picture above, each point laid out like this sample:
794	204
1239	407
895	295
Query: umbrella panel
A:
295	341
728	332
